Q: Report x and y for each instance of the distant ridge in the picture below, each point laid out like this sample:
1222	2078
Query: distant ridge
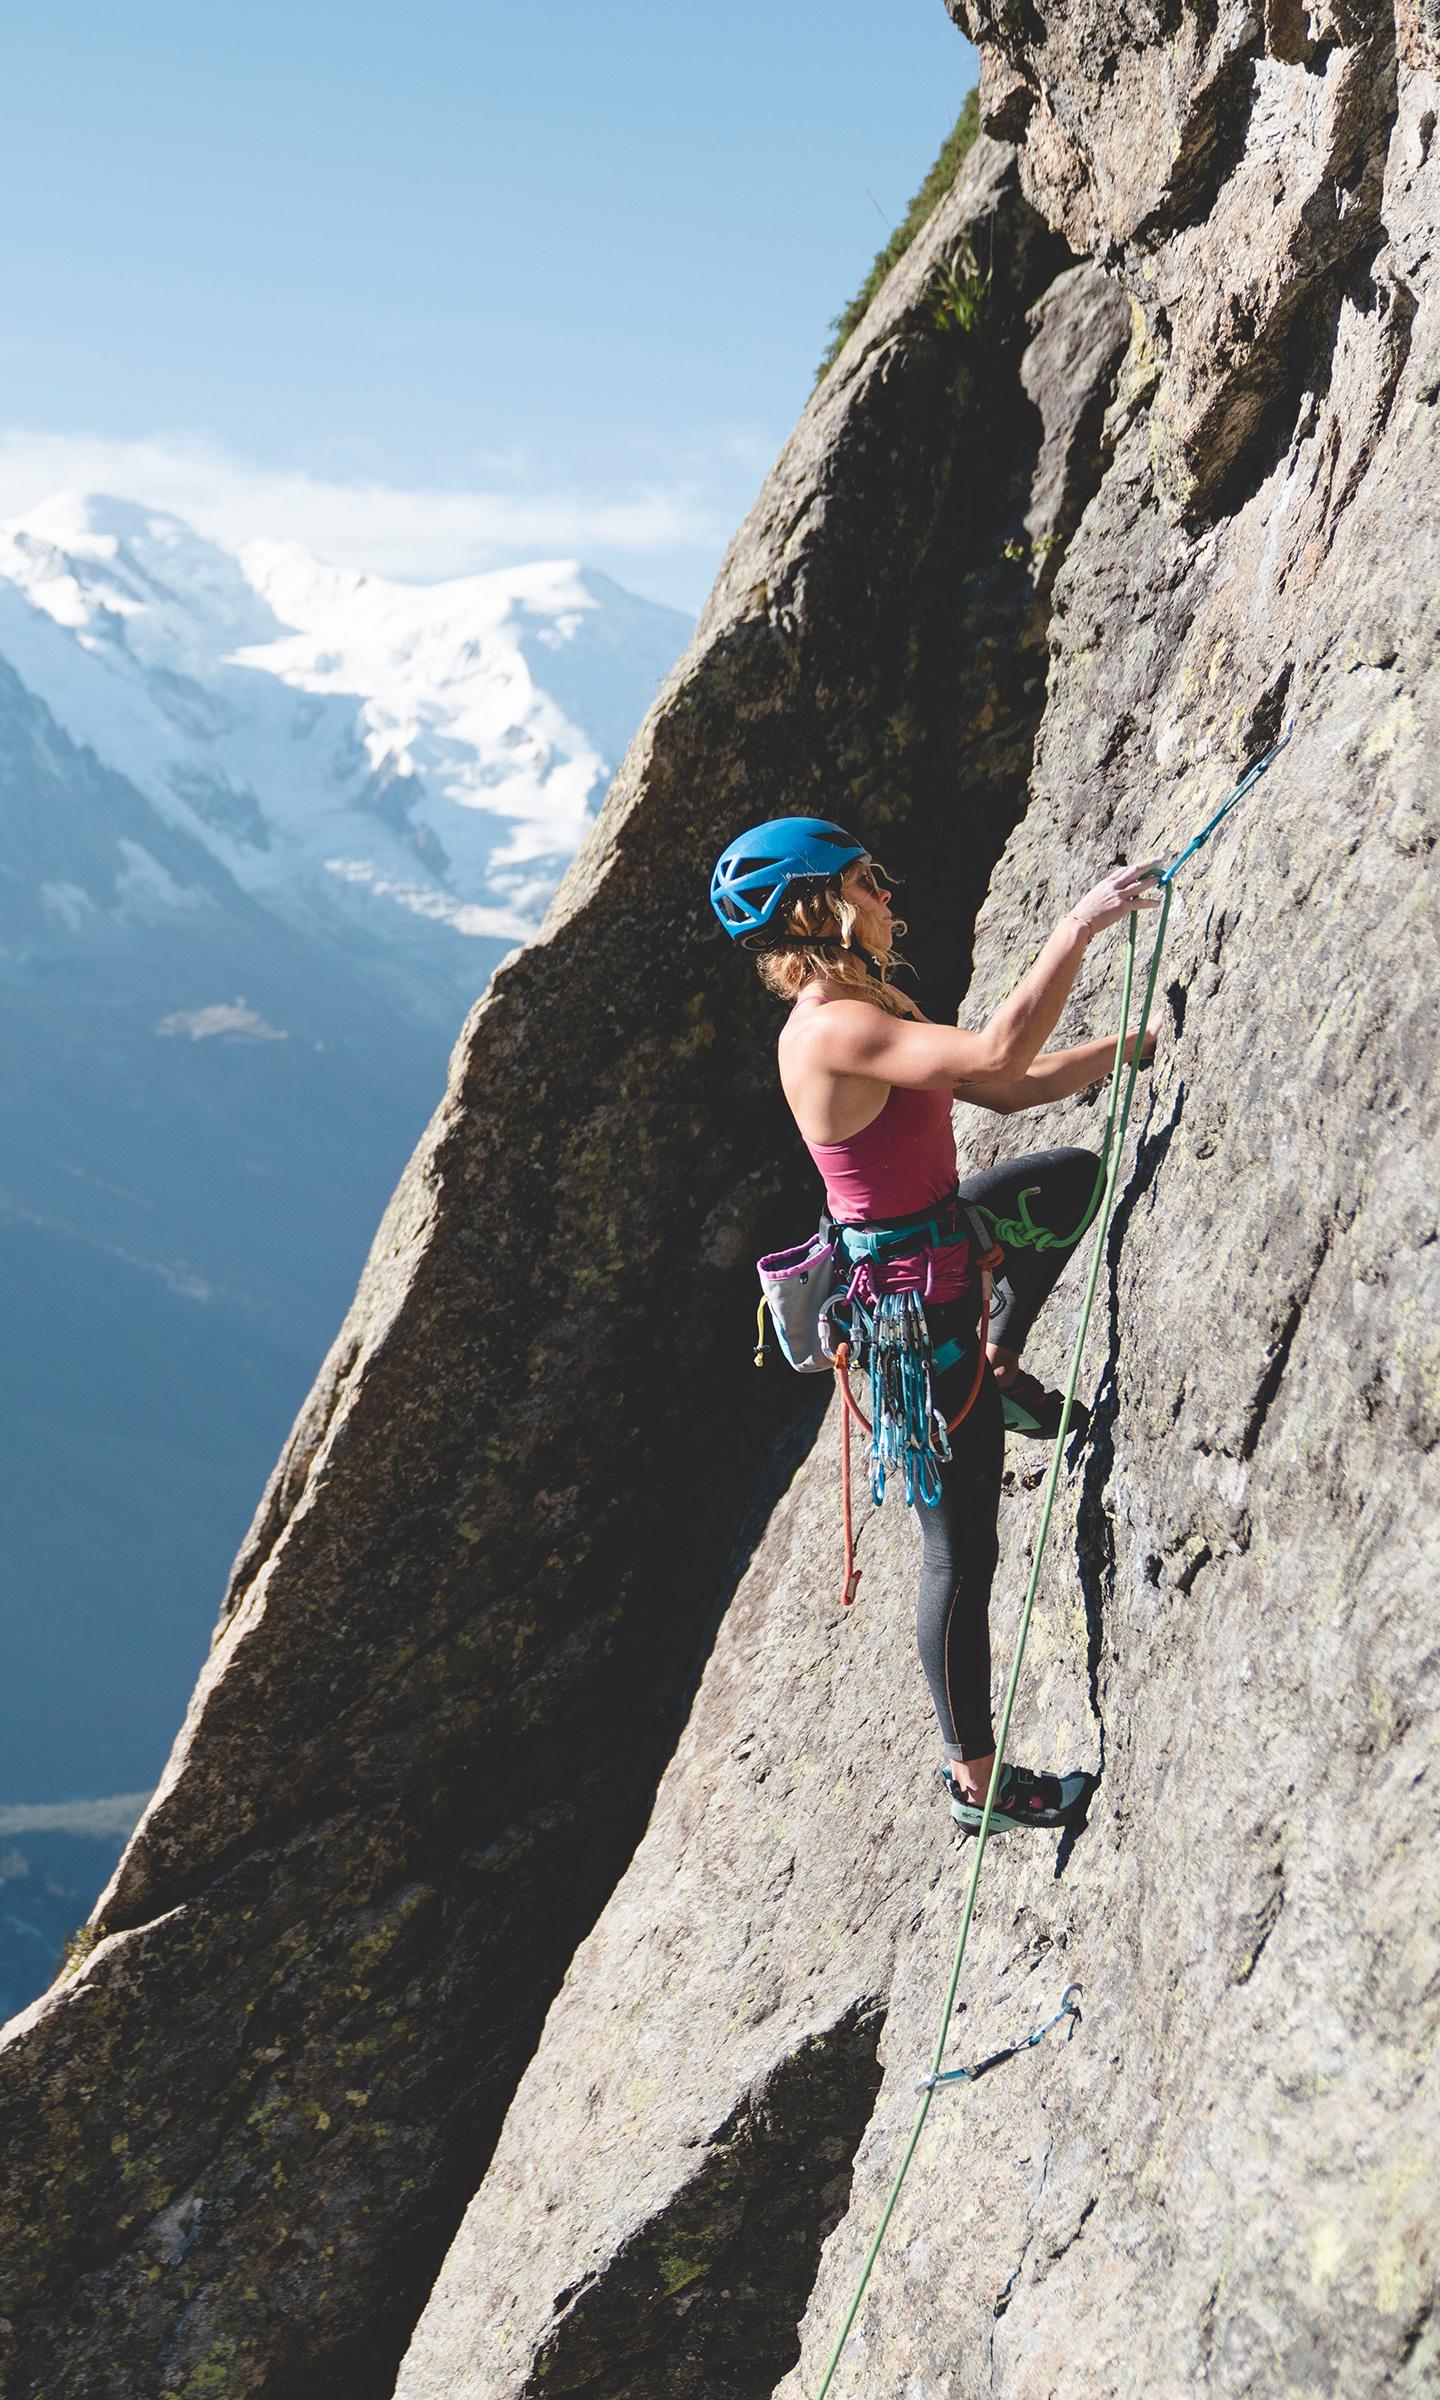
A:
412	764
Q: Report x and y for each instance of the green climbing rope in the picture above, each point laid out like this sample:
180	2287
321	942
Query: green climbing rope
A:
1021	1232
1113	1150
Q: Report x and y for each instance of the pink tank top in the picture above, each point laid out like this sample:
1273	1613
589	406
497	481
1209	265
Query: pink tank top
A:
898	1165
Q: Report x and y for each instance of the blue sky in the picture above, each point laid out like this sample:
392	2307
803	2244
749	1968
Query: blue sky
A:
440	288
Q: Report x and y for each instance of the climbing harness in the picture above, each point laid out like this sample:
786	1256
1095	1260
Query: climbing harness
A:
851	1414
876	1320
896	1269
1118	1121
879	1321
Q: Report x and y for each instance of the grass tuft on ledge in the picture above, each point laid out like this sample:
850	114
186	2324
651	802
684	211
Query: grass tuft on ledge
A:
932	191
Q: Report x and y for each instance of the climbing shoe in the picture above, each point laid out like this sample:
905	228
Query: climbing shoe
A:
1030	1409
1023	1799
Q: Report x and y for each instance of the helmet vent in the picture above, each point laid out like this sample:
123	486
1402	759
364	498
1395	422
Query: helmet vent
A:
752	877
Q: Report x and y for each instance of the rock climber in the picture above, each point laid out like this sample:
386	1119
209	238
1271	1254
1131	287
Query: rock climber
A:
871	1082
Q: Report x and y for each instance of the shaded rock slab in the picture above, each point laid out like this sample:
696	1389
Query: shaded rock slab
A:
460	1635
1224	2178
547	2286
1226	162
760	1914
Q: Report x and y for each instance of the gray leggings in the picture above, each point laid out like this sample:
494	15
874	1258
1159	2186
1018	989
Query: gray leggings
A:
961	1542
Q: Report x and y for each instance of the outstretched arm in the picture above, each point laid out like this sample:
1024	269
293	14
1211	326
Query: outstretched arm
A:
852	1038
1056	1075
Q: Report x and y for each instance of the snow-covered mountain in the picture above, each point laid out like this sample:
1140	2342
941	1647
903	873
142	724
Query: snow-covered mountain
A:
266	829
408	766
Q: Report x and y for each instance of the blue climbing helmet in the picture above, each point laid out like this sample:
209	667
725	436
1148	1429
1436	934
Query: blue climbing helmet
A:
752	877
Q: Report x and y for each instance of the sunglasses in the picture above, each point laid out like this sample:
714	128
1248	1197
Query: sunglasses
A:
868	883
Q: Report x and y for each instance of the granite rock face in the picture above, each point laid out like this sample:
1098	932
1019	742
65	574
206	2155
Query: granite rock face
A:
463	1631
1224	2178
1227	163
1019	598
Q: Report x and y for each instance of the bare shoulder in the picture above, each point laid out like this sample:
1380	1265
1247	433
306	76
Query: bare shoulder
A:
820	1024
846	1036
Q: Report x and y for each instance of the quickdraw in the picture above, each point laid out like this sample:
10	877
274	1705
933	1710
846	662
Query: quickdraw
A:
1021	1232
1118	1119
913	1433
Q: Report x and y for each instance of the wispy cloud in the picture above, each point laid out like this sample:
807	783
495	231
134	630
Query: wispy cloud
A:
228	1017
420	534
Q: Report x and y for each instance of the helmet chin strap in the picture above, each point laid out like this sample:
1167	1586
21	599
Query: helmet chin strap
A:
818	941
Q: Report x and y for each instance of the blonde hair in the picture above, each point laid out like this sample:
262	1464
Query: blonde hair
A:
819	926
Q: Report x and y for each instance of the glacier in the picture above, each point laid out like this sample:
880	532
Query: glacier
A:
267	827
409	764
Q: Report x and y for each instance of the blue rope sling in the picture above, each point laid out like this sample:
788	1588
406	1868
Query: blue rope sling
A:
1021	1232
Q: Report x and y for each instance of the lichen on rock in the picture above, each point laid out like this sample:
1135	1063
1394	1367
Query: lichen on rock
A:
462	1631
1217	2181
535	1777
